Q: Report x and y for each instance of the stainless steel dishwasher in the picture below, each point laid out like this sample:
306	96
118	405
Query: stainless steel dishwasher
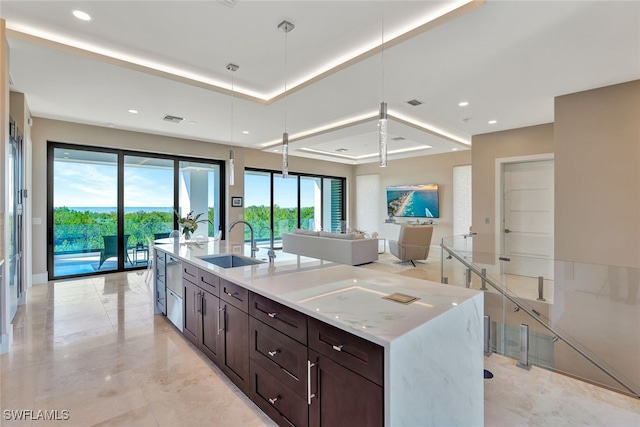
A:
175	291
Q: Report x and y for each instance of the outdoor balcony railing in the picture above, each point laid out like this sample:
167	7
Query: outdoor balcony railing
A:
580	319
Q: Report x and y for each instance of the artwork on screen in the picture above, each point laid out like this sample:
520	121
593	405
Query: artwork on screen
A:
413	201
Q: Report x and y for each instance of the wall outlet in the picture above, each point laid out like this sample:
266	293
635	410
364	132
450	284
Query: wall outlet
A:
487	220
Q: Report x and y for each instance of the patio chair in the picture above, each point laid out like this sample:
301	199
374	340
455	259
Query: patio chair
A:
111	248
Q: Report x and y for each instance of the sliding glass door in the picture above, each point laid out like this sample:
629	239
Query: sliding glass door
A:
106	206
83	235
148	205
298	201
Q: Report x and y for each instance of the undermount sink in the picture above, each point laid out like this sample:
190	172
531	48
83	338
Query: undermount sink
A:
230	261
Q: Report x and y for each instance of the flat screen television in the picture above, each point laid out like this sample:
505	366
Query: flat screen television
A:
419	201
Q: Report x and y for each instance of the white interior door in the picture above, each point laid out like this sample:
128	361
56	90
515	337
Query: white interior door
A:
528	218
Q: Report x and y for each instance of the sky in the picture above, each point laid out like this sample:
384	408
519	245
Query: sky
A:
94	185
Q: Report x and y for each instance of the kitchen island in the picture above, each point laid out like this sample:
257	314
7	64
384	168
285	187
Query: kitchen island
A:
421	361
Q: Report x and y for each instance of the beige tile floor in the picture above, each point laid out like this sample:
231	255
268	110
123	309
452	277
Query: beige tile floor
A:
93	347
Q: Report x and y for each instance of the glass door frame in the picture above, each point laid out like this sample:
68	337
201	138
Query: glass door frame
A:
52	145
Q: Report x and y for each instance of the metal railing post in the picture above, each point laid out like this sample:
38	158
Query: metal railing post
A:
445	280
484	280
468	277
540	288
523	362
487	335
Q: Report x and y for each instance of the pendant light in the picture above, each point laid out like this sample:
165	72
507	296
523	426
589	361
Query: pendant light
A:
382	122
232	155
286	27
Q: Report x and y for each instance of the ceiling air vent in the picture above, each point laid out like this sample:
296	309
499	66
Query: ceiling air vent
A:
398	138
341	150
415	102
172	119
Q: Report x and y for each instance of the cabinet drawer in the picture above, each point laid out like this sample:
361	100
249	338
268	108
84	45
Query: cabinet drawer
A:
190	272
277	400
282	356
355	353
235	295
209	281
278	316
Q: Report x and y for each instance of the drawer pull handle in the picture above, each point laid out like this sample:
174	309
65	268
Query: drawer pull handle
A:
309	395
273	353
338	347
221	324
273	401
272	315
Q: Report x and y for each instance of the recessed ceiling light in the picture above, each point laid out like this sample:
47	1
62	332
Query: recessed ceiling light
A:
246	132
133	111
192	122
84	16
463	104
454	149
492	122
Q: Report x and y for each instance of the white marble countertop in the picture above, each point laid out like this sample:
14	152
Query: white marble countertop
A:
347	297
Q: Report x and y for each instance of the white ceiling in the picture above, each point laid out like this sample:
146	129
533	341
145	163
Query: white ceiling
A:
509	59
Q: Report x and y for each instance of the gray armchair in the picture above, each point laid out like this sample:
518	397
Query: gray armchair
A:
413	243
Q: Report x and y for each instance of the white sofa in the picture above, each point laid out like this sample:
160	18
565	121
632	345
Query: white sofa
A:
343	248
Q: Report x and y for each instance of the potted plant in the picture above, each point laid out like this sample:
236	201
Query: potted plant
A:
189	224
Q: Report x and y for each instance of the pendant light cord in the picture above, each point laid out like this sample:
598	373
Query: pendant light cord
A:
286	35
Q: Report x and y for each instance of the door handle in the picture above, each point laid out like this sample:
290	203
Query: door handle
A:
204	304
309	395
507	231
273	353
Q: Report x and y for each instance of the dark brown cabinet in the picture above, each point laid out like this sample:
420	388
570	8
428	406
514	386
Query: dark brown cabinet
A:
276	399
278	337
298	370
234	330
342	397
346	378
201	319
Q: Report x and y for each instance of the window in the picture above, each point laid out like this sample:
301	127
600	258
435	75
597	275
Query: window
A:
298	201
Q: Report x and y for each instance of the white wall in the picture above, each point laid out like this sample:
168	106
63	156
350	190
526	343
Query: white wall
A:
434	169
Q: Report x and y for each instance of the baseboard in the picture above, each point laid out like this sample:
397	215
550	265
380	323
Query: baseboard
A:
39	279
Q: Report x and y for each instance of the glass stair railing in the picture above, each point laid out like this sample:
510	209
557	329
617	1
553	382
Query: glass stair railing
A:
579	319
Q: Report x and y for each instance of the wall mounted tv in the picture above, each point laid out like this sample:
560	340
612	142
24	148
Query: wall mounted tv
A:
413	201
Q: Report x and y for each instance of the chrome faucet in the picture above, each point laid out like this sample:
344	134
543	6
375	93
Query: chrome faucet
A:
271	253
254	249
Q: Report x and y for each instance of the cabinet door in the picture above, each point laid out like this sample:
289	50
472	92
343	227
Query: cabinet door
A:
211	333
236	346
192	320
342	397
